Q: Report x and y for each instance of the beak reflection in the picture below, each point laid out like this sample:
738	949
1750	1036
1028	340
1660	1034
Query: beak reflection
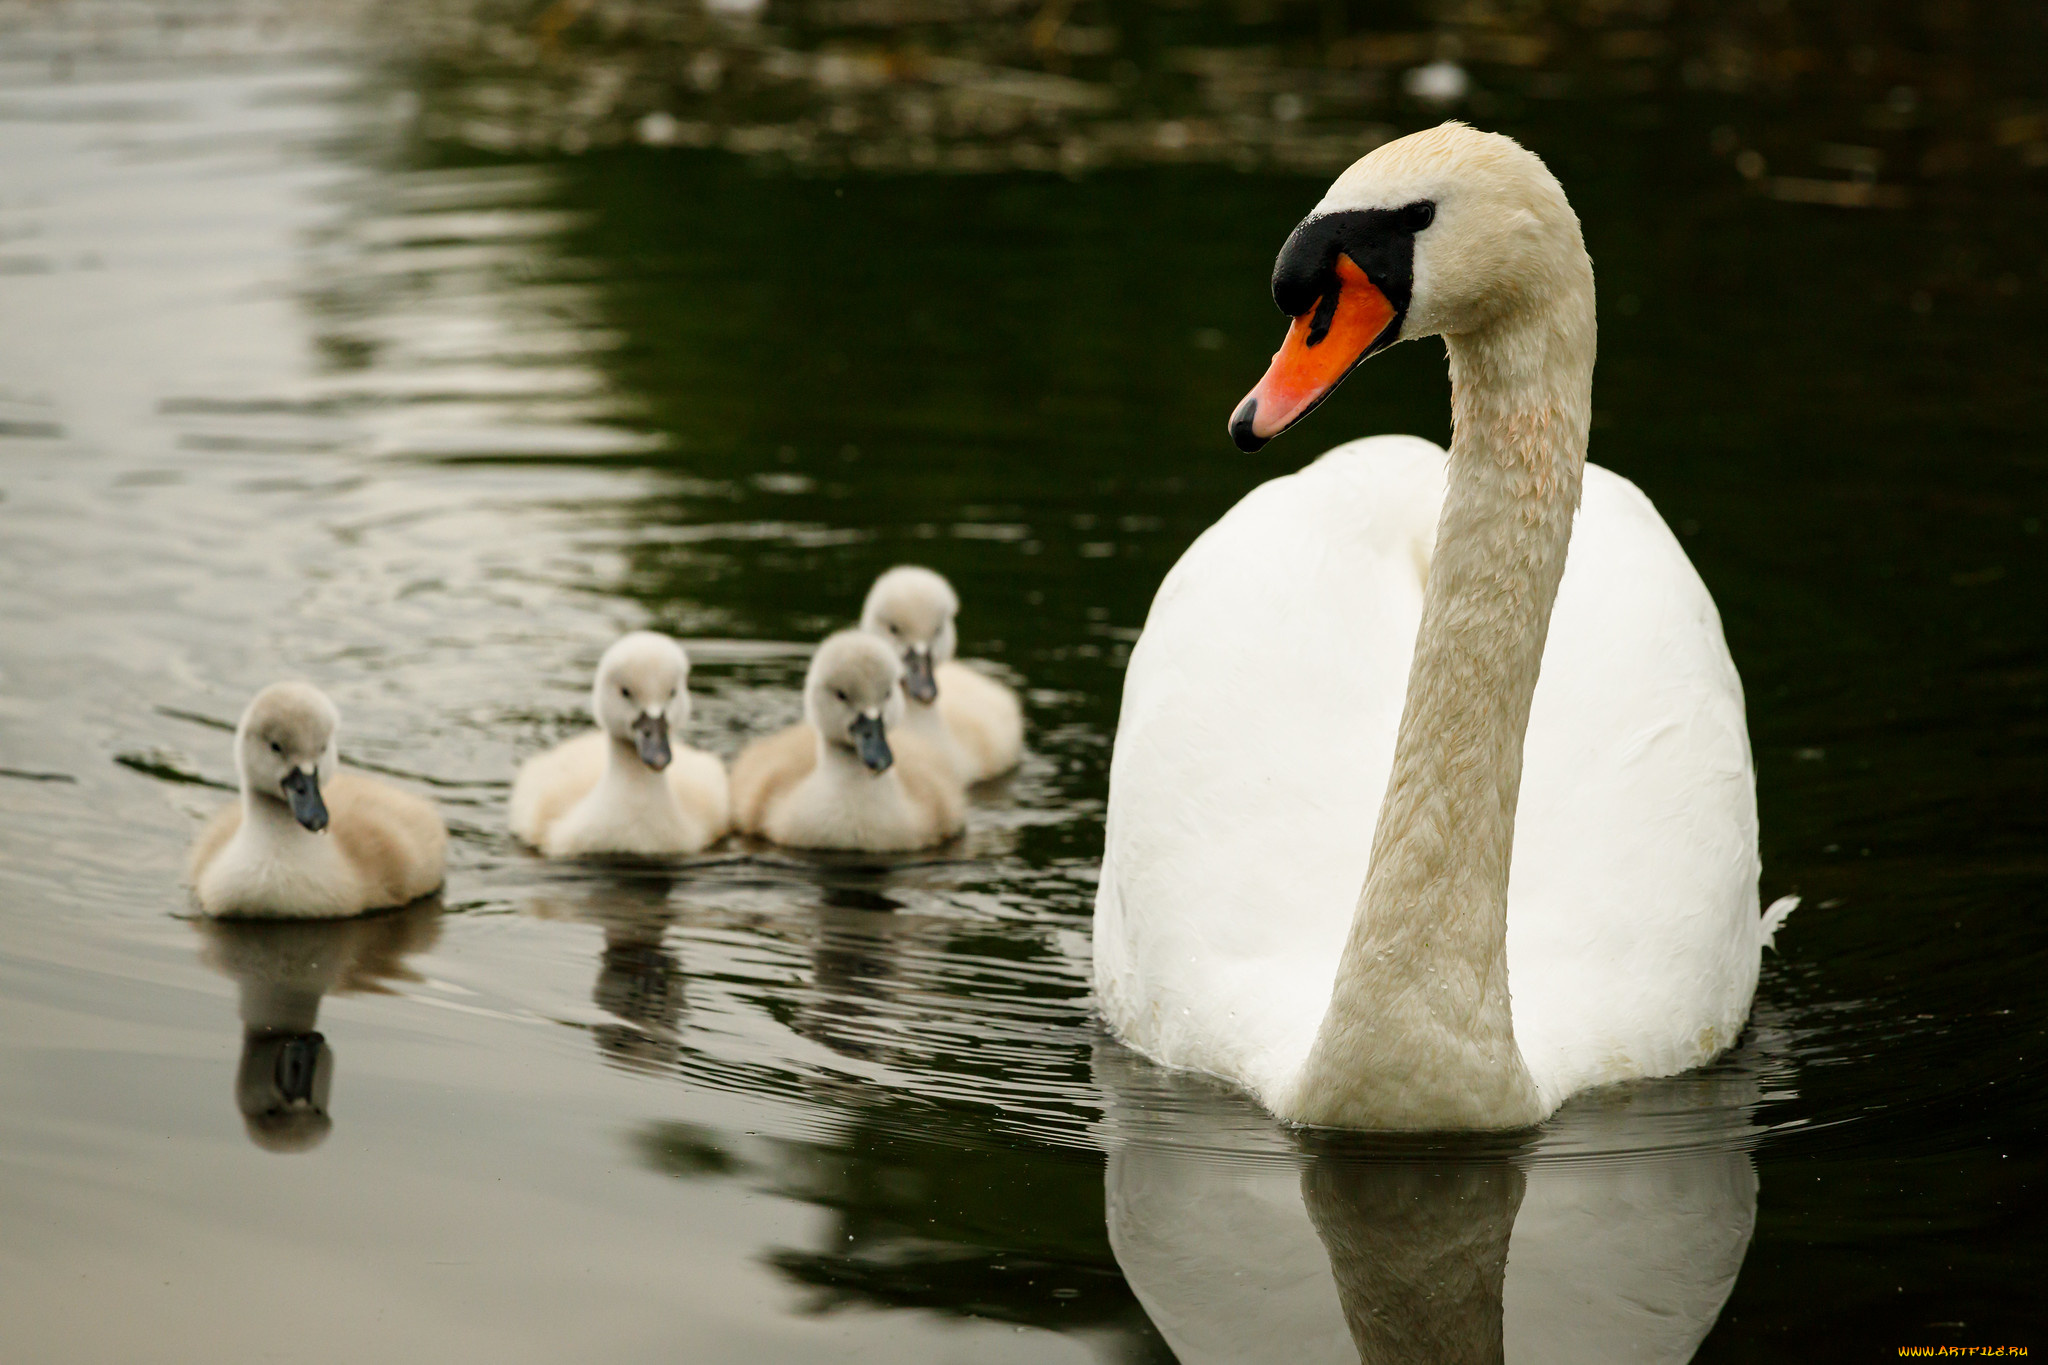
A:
281	1088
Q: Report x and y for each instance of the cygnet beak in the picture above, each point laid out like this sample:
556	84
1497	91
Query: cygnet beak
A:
918	681
650	737
302	788
871	742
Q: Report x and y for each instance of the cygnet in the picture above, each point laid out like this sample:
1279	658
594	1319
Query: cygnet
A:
850	777
307	840
975	720
626	787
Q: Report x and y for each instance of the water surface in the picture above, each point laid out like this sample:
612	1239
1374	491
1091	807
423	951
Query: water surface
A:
304	370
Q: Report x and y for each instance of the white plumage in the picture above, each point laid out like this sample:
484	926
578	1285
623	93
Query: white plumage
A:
1254	748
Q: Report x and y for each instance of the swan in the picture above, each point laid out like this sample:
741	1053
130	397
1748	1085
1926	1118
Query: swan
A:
848	777
964	713
1281	742
306	841
624	787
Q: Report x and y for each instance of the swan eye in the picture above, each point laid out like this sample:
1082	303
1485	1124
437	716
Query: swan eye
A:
1418	216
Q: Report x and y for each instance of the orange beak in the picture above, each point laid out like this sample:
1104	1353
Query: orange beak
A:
1311	362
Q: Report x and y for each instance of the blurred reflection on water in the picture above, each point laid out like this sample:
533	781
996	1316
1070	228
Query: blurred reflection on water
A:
410	348
1615	1234
281	972
639	980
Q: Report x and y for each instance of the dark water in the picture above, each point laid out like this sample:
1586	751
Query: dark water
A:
316	357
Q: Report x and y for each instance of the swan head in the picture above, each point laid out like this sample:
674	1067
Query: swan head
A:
641	693
853	696
913	610
1445	232
284	749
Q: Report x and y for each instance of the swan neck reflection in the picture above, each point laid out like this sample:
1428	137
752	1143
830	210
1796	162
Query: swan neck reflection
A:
1615	1232
1419	1254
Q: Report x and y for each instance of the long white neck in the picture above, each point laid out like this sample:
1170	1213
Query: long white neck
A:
1418	1033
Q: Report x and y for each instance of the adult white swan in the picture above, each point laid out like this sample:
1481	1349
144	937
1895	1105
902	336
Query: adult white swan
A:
1339	685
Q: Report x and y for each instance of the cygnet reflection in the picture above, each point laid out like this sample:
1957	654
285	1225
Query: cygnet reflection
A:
854	945
1612	1234
282	969
639	978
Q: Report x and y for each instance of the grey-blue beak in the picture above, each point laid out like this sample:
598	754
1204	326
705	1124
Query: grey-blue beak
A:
650	737
871	742
918	681
302	789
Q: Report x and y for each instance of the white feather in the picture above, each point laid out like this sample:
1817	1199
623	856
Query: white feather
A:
1253	752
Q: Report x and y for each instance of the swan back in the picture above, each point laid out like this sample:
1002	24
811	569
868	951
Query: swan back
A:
1252	815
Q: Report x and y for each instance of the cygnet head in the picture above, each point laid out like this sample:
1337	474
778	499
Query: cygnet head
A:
1448	232
913	609
853	695
284	749
641	693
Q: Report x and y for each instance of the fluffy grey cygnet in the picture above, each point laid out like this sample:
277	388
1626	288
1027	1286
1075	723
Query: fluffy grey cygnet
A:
626	787
307	840
965	714
851	776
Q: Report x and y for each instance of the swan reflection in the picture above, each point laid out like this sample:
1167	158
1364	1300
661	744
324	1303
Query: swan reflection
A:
1614	1233
282	969
639	977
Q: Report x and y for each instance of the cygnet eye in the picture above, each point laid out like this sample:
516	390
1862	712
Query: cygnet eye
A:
840	693
276	748
626	692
